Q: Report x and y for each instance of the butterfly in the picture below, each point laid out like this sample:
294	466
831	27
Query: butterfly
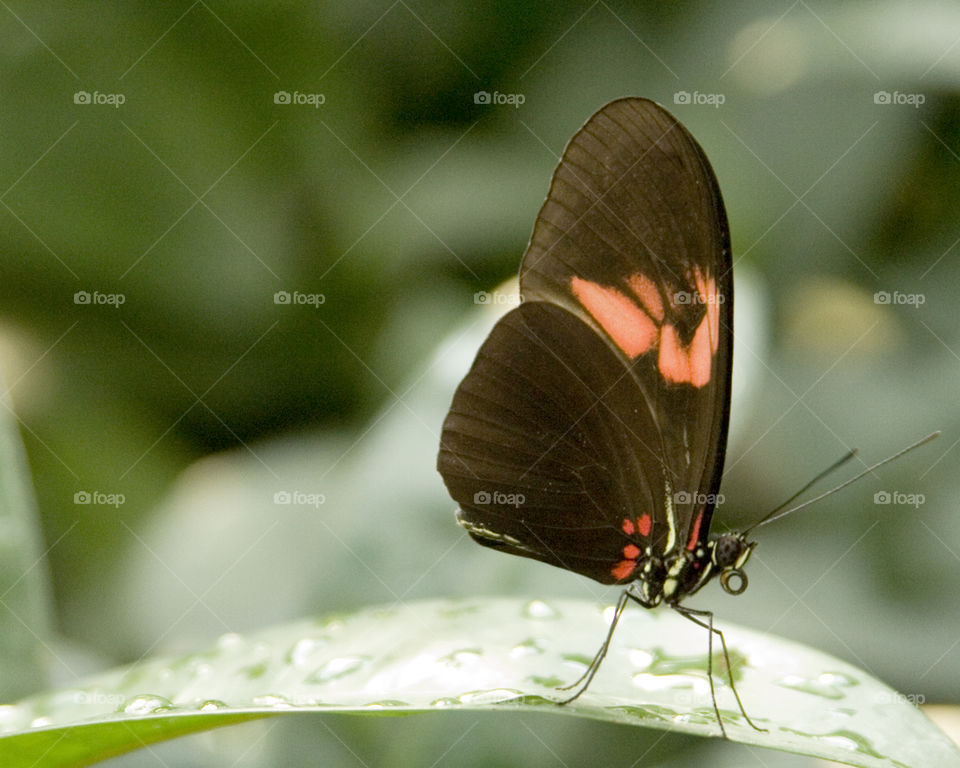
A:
590	431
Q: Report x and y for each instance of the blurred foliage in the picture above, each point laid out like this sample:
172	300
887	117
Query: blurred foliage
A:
397	199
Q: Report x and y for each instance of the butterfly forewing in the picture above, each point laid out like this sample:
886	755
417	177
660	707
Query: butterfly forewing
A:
603	399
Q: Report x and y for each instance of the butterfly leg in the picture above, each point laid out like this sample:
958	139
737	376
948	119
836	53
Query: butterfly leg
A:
697	616
591	670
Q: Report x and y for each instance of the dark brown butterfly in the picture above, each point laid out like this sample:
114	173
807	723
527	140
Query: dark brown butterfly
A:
590	431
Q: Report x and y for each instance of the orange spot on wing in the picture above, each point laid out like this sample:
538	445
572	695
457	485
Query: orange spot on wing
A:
648	294
695	532
631	551
700	354
628	527
638	329
691	364
673	361
625	323
623	569
711	297
702	283
644	524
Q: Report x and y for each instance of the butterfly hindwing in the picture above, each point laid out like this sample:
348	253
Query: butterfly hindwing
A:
539	436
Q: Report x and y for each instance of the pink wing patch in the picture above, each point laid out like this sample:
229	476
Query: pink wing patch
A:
707	288
628	325
639	329
648	294
689	364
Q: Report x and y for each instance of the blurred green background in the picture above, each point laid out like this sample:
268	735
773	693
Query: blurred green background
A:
397	198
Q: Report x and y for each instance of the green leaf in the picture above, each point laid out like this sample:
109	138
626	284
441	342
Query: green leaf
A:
25	610
484	654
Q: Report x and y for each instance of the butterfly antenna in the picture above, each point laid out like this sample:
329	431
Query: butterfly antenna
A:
817	479
776	514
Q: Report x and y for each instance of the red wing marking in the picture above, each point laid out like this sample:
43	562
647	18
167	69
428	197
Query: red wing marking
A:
624	321
690	364
639	329
623	569
644	524
631	551
707	288
701	282
648	294
695	532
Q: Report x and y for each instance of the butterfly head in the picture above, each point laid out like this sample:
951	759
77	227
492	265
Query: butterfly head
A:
730	553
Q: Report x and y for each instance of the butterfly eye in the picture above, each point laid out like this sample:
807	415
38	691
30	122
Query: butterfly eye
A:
733	581
727	550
